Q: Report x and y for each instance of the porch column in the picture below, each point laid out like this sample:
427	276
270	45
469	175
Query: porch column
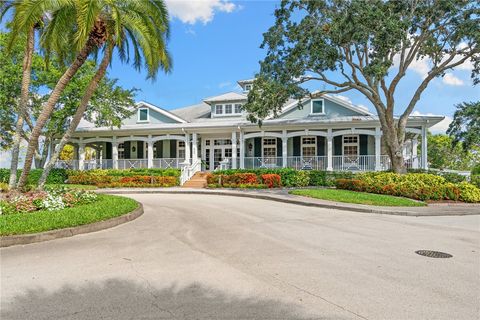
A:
329	150
114	153
378	149
187	147
415	152
194	146
242	151
234	150
284	148
81	156
424	148
149	152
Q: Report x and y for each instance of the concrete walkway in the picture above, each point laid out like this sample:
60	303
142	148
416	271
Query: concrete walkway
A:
282	195
209	257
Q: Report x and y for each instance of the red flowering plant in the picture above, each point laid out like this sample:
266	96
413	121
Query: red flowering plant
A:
272	180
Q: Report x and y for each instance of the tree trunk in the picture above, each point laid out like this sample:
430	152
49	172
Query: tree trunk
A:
393	144
22	107
48	109
92	86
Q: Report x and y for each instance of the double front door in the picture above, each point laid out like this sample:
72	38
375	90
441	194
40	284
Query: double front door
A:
217	150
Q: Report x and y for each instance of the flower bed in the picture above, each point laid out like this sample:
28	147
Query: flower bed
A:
288	178
420	186
51	199
126	178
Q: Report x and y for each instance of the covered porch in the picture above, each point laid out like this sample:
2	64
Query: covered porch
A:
331	149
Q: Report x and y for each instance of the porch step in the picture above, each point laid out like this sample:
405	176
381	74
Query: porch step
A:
199	180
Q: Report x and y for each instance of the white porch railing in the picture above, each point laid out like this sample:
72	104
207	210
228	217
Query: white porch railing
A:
67	164
188	170
132	163
308	163
168	163
263	162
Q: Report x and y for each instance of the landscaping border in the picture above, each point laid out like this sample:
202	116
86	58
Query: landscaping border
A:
12	240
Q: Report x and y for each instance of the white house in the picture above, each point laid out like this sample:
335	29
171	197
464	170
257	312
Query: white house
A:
325	134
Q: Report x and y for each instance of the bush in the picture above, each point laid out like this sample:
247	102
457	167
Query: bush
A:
56	176
420	186
475	180
125	178
272	180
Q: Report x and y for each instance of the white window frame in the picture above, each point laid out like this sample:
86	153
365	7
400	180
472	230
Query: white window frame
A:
351	143
269	146
311	107
225	108
248	87
235	108
148	115
308	145
219	107
180	148
121	151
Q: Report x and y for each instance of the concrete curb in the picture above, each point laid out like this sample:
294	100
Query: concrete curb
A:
297	201
13	240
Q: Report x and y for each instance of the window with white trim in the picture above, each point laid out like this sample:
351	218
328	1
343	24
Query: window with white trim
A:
219	109
228	109
350	145
121	151
248	87
143	115
317	106
238	108
309	146
180	149
269	147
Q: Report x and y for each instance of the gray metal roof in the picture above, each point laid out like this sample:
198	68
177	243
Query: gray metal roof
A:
229	96
193	112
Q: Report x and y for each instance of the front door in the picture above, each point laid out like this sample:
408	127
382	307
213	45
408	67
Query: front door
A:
350	150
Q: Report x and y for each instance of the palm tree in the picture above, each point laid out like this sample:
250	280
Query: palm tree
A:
55	38
140	24
29	30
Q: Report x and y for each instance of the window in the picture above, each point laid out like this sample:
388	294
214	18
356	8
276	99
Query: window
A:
269	147
309	146
143	115
218	109
317	107
222	142
121	151
350	146
248	87
228	109
238	108
181	149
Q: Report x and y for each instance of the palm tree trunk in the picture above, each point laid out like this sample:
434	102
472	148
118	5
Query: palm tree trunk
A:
22	107
92	86
49	106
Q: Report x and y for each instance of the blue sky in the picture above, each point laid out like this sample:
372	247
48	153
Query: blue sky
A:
214	43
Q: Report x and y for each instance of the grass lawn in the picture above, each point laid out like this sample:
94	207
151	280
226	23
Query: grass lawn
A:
104	208
357	197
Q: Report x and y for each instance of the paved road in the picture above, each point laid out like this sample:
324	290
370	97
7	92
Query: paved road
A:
219	257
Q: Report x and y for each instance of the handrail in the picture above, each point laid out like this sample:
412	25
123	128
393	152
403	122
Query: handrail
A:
188	170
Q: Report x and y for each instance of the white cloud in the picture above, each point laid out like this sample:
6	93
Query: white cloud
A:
192	11
440	127
451	80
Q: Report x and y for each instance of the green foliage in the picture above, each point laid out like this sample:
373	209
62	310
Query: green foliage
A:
465	127
421	186
105	208
443	153
356	197
475	180
469	192
56	176
119	178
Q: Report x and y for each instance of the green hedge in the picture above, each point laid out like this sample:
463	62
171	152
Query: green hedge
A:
56	176
102	177
421	186
291	177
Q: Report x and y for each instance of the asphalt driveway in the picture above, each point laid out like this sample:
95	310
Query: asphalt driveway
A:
220	257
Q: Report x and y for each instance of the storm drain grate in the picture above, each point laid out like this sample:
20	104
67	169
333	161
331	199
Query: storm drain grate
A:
433	254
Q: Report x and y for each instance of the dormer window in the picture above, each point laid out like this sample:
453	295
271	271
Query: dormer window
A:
317	107
228	109
143	115
248	87
238	108
219	109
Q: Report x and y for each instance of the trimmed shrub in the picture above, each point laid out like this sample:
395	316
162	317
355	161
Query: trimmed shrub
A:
124	178
420	186
56	176
272	180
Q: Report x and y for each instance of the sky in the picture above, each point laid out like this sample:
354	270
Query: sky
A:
214	43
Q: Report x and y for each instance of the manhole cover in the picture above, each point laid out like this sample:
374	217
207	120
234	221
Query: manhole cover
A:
433	254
